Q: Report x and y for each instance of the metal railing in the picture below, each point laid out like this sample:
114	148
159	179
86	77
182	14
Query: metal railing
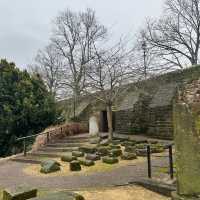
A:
47	133
170	157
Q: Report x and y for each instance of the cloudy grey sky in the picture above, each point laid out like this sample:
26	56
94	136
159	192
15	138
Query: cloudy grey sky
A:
25	25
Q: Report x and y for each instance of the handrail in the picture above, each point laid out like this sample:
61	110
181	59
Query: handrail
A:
35	135
32	136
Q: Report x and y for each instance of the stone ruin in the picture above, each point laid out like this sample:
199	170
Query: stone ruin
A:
187	142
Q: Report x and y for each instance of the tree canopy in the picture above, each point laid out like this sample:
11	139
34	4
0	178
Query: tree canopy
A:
26	107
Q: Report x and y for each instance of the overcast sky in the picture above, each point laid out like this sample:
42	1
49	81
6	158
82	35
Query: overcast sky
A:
25	25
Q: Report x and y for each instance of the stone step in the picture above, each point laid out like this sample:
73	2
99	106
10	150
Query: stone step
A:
46	154
70	140
78	137
26	160
66	144
59	149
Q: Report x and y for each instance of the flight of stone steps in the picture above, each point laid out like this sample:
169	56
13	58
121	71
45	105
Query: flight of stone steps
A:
55	149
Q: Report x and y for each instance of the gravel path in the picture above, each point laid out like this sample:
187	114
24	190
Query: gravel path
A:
11	173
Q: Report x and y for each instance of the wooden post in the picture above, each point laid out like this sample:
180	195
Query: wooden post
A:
24	141
171	170
149	160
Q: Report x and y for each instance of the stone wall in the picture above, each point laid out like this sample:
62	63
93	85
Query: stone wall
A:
134	120
187	141
160	122
123	121
84	117
146	107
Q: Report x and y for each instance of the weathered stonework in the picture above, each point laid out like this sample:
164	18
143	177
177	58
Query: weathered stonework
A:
187	142
160	122
144	108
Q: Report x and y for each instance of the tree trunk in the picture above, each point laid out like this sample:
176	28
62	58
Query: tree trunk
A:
110	125
194	60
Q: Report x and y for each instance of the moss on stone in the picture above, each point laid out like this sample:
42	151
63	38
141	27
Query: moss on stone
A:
77	154
88	149
85	162
187	149
110	160
19	193
103	151
115	152
68	158
75	166
49	166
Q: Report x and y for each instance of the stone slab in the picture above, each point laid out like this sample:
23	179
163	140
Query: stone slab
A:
61	196
156	186
19	193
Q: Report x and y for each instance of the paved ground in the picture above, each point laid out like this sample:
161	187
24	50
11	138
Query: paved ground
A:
11	174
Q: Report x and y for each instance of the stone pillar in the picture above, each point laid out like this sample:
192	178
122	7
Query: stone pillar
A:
93	126
187	143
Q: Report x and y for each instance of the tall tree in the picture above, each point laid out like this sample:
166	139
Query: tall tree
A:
175	37
26	107
108	72
73	36
49	64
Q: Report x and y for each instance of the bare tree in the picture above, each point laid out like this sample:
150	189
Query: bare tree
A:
49	65
144	59
73	35
109	71
175	38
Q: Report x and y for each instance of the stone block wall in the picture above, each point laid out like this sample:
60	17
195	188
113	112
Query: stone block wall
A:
123	121
135	120
160	122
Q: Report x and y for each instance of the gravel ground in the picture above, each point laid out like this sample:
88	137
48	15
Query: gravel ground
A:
11	173
122	193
